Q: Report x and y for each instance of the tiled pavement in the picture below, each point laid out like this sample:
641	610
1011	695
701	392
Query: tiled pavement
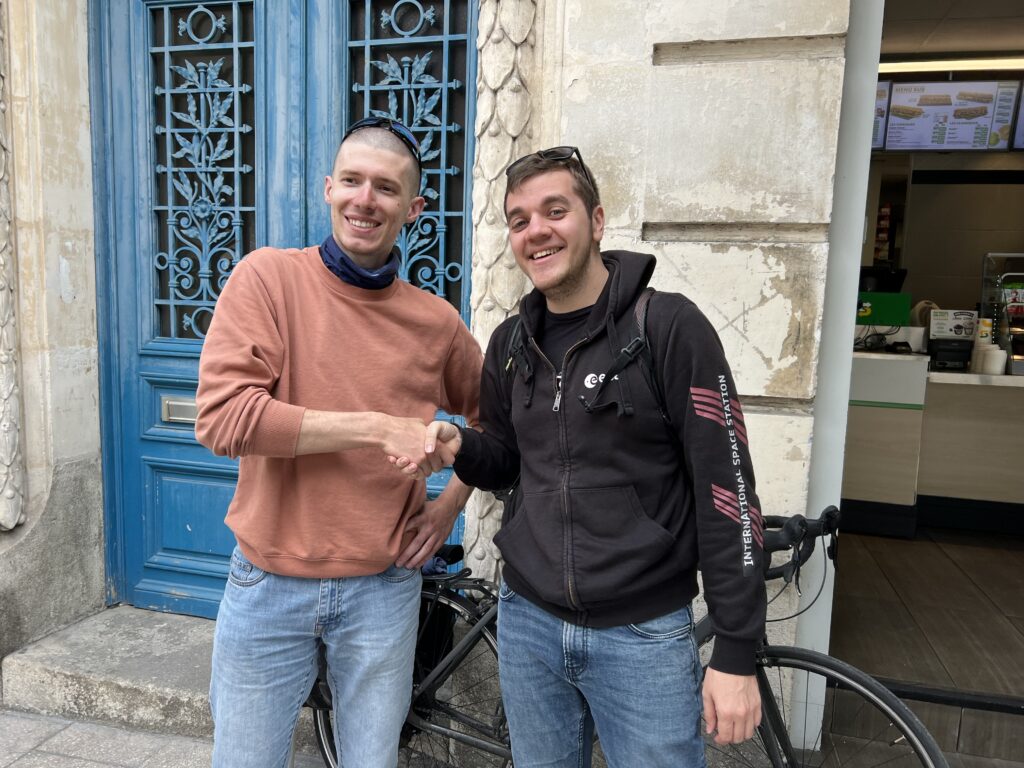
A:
36	741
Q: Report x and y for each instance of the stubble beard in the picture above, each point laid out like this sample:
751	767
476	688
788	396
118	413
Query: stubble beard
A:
573	281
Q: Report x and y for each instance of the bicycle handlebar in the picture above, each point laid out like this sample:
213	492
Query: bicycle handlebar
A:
781	534
798	534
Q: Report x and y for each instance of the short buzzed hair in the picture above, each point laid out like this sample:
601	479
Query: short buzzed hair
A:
382	138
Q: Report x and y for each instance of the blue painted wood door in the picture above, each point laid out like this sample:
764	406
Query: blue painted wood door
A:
214	124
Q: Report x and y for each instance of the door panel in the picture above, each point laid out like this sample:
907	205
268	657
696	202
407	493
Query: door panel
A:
214	124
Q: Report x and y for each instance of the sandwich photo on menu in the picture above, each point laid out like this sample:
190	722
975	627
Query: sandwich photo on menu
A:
935	100
978	96
969	113
906	112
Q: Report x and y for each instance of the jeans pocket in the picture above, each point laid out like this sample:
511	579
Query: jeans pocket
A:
667	627
242	573
506	593
396	575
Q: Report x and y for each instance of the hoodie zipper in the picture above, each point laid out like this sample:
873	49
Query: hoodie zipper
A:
566	520
570	580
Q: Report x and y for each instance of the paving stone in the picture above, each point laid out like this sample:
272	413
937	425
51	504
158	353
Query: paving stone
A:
46	760
20	733
104	744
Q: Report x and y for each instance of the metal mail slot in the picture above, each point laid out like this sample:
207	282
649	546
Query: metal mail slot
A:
176	410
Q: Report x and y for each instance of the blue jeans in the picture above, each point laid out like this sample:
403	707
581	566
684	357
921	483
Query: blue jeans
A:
639	684
265	662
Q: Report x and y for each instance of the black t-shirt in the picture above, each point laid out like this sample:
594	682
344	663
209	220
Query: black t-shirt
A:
561	331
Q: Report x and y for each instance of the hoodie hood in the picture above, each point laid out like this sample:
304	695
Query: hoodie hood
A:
628	275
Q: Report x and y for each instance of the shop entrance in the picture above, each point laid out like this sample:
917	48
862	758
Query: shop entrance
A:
930	591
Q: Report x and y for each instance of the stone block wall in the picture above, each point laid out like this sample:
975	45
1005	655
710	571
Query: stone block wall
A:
711	128
52	565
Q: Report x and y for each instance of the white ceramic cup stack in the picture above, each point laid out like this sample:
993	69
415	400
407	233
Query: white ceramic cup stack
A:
993	362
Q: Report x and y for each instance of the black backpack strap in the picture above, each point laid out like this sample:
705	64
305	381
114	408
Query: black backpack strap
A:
514	346
636	349
516	359
650	372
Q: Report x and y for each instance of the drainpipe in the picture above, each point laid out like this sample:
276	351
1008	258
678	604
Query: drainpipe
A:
835	357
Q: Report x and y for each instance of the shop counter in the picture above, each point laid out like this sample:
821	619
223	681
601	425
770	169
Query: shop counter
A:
972	438
931	447
938	377
883	431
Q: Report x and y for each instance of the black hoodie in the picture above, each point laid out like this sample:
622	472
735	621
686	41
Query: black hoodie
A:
617	507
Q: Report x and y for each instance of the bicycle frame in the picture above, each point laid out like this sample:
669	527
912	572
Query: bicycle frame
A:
429	685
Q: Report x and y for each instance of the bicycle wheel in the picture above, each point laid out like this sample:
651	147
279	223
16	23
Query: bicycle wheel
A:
819	712
460	722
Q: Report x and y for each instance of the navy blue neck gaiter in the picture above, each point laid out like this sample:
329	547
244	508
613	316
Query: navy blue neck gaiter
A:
340	264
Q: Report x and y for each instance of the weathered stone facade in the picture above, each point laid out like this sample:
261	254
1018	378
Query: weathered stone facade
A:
52	567
711	129
710	126
12	462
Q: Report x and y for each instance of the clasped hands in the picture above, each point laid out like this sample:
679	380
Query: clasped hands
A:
418	450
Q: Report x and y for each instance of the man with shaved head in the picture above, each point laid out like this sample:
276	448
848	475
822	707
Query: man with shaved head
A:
319	362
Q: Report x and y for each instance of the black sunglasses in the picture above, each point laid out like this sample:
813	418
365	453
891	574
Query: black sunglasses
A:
397	128
560	154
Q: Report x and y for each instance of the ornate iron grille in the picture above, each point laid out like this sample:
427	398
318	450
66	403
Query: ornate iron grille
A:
411	61
202	67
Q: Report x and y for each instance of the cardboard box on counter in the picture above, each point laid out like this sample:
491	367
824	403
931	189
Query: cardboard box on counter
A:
952	324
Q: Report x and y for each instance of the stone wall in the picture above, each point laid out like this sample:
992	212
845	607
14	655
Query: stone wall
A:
711	128
52	566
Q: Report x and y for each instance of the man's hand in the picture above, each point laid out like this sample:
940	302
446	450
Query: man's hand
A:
431	526
441	444
406	438
732	706
330	431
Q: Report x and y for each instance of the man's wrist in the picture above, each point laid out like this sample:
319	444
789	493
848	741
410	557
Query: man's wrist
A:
733	656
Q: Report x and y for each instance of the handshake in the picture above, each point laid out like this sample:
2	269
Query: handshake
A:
420	451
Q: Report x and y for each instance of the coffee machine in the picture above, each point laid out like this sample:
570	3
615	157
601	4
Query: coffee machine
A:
951	339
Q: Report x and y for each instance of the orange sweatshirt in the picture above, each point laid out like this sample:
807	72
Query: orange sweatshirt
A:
288	335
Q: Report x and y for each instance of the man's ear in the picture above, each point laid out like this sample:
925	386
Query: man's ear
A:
328	183
416	207
597	223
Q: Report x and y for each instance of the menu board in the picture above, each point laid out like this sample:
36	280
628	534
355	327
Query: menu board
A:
881	110
960	115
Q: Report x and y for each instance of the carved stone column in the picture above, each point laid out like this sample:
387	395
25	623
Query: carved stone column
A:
506	43
12	463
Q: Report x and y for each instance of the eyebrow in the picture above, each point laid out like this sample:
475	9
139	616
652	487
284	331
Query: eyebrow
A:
545	202
376	178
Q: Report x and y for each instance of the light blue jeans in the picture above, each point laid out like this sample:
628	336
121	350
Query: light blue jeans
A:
265	662
639	683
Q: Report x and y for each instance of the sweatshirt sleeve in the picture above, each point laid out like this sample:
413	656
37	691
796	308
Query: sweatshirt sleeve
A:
489	457
708	418
461	382
239	367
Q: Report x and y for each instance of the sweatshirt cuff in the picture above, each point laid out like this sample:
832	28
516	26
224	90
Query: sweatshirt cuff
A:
734	657
277	431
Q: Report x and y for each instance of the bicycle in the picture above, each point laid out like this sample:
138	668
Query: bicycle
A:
817	711
456	717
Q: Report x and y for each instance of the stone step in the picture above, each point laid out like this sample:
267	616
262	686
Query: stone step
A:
125	666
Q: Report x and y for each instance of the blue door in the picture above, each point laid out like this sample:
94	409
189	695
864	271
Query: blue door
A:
214	124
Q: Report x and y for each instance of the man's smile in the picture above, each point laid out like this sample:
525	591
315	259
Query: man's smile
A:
362	223
544	254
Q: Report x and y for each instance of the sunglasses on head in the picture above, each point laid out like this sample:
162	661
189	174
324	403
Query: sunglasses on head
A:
560	154
395	127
